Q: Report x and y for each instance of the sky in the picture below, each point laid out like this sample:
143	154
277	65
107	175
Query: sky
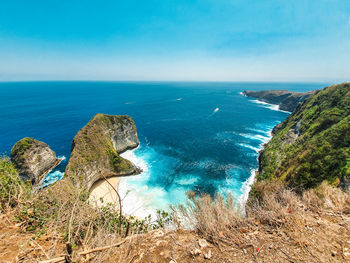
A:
180	40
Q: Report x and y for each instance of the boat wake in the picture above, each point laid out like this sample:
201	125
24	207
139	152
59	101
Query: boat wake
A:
215	111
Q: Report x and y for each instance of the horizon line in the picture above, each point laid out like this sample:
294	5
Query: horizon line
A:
179	81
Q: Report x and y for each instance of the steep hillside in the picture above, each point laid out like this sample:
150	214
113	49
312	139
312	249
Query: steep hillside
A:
313	143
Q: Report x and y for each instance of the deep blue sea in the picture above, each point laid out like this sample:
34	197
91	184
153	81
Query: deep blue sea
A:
194	136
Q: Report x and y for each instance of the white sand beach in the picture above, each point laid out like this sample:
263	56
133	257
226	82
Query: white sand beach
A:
102	193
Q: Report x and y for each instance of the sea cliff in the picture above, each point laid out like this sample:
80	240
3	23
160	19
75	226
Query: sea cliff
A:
33	159
96	150
312	144
287	100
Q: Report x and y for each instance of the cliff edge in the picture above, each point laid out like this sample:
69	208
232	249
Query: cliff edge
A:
313	144
96	149
287	100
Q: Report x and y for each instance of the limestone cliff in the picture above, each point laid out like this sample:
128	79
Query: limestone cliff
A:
287	100
313	143
33	159
96	149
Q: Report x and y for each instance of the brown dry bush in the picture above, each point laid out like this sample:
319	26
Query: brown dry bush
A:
312	227
63	212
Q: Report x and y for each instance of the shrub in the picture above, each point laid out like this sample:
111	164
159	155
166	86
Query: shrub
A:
13	190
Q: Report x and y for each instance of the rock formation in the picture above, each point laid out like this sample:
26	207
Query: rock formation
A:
312	144
287	100
96	149
33	159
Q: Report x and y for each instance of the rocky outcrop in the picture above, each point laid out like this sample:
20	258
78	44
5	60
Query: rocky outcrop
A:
33	159
96	149
287	100
312	144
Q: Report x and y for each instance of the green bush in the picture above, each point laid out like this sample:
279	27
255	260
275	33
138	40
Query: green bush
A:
12	189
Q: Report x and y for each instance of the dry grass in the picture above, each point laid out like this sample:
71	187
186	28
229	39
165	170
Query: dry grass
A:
313	227
276	226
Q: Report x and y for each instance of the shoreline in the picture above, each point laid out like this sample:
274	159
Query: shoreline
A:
139	200
268	105
247	185
43	178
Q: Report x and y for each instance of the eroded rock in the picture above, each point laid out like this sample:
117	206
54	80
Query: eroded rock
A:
33	159
96	149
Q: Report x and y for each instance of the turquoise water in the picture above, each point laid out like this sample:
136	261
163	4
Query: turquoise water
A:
194	136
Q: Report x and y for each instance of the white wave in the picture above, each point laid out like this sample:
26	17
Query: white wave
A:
187	181
139	162
249	147
179	99
245	189
269	106
137	198
241	93
51	178
267	132
257	137
216	110
62	158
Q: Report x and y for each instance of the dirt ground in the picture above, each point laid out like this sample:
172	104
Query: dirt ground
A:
324	237
17	245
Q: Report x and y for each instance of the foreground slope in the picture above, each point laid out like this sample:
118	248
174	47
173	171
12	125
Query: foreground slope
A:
313	143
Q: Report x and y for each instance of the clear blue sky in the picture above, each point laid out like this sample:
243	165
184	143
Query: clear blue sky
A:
223	40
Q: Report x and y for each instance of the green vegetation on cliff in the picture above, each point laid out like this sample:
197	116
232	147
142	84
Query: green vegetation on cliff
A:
313	143
96	149
20	147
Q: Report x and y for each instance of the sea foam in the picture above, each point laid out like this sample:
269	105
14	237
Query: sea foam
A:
269	106
137	198
246	187
52	176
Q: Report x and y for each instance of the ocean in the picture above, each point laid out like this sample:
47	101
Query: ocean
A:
195	136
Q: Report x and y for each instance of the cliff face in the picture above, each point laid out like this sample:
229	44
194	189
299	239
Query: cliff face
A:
313	143
96	149
33	159
287	100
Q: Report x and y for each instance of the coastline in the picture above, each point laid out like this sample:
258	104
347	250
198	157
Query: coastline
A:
270	106
139	200
50	177
247	185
